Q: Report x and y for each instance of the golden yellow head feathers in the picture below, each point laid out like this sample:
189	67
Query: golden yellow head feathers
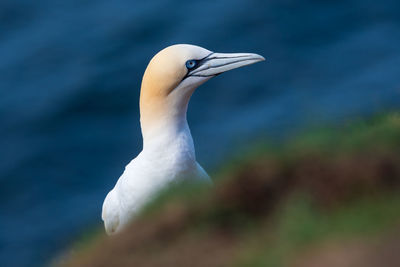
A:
167	68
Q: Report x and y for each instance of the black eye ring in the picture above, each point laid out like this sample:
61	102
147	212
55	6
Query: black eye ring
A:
190	64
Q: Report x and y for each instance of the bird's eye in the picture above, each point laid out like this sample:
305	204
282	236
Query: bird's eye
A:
190	64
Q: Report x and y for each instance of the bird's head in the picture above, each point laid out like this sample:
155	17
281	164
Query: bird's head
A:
175	72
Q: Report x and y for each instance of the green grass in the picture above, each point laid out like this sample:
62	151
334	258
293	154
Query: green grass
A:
301	225
380	132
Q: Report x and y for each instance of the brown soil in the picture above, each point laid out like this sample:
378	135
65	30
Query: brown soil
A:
383	252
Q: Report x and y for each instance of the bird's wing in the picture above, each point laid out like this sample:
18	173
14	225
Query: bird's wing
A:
110	213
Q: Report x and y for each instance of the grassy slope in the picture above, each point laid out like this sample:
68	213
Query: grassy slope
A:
270	206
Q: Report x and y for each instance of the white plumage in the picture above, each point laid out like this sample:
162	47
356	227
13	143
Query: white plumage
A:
168	153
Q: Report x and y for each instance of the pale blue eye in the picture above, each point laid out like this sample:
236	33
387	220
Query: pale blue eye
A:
190	64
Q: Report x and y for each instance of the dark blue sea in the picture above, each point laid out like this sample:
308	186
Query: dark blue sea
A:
70	74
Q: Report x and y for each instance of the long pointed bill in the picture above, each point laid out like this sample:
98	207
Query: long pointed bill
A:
217	63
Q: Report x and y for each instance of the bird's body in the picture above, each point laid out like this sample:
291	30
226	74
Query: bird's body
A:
170	159
168	153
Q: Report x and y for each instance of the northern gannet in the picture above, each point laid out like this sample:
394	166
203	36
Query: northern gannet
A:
168	153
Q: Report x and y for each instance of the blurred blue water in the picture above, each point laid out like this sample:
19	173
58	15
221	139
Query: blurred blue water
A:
70	76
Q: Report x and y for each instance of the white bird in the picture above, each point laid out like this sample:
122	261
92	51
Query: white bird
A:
168	153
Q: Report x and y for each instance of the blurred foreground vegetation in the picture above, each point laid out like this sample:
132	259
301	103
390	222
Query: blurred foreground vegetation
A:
329	198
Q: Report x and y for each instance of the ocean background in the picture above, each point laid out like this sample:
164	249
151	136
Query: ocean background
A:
70	75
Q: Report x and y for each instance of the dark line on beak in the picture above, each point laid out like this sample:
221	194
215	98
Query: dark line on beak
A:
192	73
204	60
228	57
226	64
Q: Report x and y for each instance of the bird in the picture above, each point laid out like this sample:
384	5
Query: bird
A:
168	154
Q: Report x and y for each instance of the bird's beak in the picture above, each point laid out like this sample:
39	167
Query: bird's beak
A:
217	63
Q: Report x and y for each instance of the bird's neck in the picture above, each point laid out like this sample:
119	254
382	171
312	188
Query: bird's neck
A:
165	128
